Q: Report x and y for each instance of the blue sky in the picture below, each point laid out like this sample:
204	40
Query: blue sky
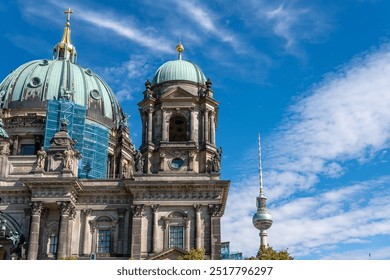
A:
311	76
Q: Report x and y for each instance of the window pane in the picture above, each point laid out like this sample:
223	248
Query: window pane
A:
53	244
104	238
176	236
28	149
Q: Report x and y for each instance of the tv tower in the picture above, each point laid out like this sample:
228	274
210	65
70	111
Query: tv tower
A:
262	219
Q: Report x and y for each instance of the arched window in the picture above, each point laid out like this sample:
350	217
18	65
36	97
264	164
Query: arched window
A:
177	128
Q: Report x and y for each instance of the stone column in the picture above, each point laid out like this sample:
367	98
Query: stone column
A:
85	232
215	211
136	230
155	208
144	133
192	128
212	127
206	125
65	209
36	210
42	237
187	228
150	125
198	226
121	230
164	125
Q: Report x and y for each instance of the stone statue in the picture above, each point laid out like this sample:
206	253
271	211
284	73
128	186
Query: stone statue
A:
41	155
124	170
139	162
216	160
15	238
131	168
69	155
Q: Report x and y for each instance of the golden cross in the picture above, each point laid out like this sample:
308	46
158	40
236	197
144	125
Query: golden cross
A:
68	11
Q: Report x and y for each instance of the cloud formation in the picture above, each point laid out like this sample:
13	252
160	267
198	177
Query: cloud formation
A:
343	119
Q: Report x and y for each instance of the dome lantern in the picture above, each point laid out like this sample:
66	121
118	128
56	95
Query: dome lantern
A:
64	50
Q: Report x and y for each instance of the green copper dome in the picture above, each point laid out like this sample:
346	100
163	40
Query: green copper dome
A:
179	70
41	80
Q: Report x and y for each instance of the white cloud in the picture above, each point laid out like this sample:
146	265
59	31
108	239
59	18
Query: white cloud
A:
205	18
126	29
107	21
293	21
344	118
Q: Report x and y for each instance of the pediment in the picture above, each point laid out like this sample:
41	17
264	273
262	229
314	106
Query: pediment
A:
178	93
169	254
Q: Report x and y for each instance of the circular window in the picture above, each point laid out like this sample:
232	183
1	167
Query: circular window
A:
88	72
35	82
44	62
95	94
177	163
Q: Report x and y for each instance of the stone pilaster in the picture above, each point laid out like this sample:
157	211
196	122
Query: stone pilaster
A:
85	232
121	230
215	212
36	210
136	230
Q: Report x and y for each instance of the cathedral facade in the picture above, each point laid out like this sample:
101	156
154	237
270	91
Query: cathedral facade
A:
72	184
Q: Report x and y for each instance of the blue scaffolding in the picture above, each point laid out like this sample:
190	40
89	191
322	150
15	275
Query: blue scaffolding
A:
91	138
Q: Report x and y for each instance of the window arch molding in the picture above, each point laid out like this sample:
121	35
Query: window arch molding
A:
176	227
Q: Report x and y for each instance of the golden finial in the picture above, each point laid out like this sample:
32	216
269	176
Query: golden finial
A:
180	49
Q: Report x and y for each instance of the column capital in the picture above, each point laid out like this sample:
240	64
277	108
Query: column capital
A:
65	207
138	211
215	210
155	207
36	207
121	212
87	212
198	208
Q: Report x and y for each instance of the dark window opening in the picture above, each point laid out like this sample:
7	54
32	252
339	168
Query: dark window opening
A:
178	129
27	149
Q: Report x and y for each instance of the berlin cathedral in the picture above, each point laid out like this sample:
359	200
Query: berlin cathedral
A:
73	185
